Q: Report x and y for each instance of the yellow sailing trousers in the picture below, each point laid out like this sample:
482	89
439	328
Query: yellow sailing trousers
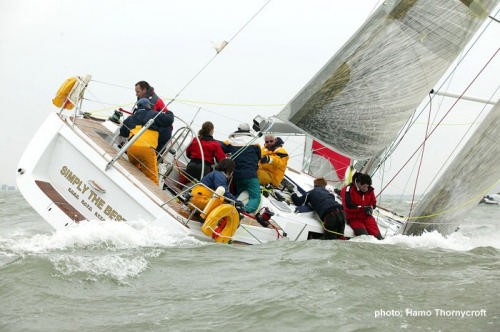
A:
143	154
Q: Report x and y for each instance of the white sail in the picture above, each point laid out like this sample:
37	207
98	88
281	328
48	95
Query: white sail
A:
363	96
471	174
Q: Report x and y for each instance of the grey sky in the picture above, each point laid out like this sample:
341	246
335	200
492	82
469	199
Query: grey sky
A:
166	43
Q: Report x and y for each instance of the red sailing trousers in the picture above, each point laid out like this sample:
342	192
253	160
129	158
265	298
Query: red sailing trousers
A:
368	223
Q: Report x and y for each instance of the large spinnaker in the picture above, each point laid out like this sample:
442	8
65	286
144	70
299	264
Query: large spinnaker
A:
363	96
466	180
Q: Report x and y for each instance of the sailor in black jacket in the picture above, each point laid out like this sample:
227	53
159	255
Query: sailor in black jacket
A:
142	114
328	209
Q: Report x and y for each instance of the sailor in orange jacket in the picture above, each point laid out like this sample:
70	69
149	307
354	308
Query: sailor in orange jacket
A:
358	200
273	162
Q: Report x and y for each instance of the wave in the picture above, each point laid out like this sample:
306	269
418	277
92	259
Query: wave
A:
92	250
110	235
119	251
467	238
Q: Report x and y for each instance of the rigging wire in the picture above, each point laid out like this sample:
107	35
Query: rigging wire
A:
494	18
421	158
442	119
112	84
217	53
414	118
461	140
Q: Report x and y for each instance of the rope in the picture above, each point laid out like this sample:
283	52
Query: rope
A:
196	102
430	223
336	233
182	101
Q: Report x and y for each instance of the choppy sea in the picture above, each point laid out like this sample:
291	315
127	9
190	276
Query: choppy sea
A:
135	277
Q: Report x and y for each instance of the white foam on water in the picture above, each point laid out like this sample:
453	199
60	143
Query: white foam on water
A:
98	249
466	238
116	235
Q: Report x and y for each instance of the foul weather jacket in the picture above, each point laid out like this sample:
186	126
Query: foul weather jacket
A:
321	200
246	157
273	170
162	124
212	150
355	201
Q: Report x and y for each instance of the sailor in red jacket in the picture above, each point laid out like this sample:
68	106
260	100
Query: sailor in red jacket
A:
212	152
358	200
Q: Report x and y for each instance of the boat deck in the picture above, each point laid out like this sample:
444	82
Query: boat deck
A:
101	136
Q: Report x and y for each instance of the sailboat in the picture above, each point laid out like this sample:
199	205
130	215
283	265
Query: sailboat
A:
490	199
72	171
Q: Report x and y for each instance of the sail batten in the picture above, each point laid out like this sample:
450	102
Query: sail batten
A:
358	102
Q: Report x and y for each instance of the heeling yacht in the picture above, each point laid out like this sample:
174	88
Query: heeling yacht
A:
73	171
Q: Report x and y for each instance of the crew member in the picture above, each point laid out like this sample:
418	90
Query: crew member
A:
358	199
328	209
272	164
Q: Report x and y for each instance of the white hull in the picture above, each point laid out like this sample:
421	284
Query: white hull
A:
75	169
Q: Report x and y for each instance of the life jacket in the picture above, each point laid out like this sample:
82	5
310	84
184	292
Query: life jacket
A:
63	93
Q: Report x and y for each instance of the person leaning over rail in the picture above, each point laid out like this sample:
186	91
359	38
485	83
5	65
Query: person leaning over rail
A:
273	163
220	177
212	152
328	209
246	156
142	153
358	199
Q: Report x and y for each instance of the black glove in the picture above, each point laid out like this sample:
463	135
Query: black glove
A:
265	159
239	205
368	210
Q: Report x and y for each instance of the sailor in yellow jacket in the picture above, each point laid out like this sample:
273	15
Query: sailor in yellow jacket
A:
273	162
